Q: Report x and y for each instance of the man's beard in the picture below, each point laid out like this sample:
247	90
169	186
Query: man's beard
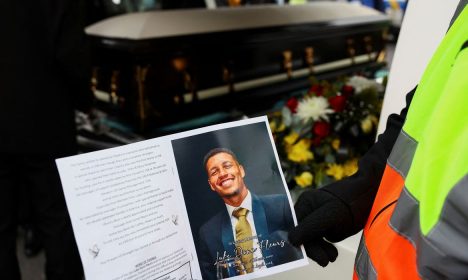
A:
234	193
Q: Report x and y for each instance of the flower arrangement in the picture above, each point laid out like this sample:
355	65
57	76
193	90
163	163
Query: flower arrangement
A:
320	134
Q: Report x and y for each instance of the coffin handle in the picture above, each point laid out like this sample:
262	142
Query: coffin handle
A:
351	50
287	62
94	79
141	73
368	46
228	78
309	58
234	3
180	64
114	98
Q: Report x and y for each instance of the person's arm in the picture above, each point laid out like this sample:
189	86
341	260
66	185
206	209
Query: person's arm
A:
359	190
340	209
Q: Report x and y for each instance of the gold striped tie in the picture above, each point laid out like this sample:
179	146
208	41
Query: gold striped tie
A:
244	238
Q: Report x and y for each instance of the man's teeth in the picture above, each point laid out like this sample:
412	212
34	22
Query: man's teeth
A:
226	182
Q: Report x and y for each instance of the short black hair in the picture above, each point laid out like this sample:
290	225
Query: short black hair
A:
216	151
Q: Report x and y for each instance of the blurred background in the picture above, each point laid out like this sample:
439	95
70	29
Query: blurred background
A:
160	67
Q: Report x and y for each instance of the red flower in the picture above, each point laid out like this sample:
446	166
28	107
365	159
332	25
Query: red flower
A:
316	89
321	129
347	90
338	103
292	104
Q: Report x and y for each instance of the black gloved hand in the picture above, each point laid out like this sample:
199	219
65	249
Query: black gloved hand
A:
320	215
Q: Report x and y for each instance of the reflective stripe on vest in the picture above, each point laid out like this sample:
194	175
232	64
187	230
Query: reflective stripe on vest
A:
418	225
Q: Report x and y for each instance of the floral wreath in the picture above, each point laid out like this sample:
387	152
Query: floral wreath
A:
321	133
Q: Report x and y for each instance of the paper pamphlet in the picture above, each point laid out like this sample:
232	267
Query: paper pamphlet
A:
164	208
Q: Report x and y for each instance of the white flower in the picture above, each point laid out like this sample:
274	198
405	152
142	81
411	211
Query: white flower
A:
360	83
315	108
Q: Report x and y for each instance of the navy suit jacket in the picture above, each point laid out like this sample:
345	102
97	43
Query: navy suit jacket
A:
273	219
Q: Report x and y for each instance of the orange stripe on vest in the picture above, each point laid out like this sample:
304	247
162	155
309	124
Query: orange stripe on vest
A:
392	255
355	277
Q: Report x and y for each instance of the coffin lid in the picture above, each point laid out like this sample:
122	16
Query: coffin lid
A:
172	23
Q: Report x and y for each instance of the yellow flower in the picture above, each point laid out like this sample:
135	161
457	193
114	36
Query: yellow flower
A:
374	119
300	152
368	122
366	125
350	167
304	180
273	126
276	114
281	127
336	171
291	138
277	128
336	144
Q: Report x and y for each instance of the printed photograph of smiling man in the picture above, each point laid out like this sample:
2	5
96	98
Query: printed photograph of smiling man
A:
237	204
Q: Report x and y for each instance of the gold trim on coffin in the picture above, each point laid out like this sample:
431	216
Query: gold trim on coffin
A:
299	73
141	71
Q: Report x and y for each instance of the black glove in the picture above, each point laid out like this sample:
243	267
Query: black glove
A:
320	215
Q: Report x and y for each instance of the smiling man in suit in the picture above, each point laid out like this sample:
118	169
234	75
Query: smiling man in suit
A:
250	234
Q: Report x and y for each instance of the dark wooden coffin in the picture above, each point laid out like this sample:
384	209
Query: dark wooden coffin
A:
162	67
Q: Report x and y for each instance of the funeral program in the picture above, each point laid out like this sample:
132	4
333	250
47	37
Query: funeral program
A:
209	203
